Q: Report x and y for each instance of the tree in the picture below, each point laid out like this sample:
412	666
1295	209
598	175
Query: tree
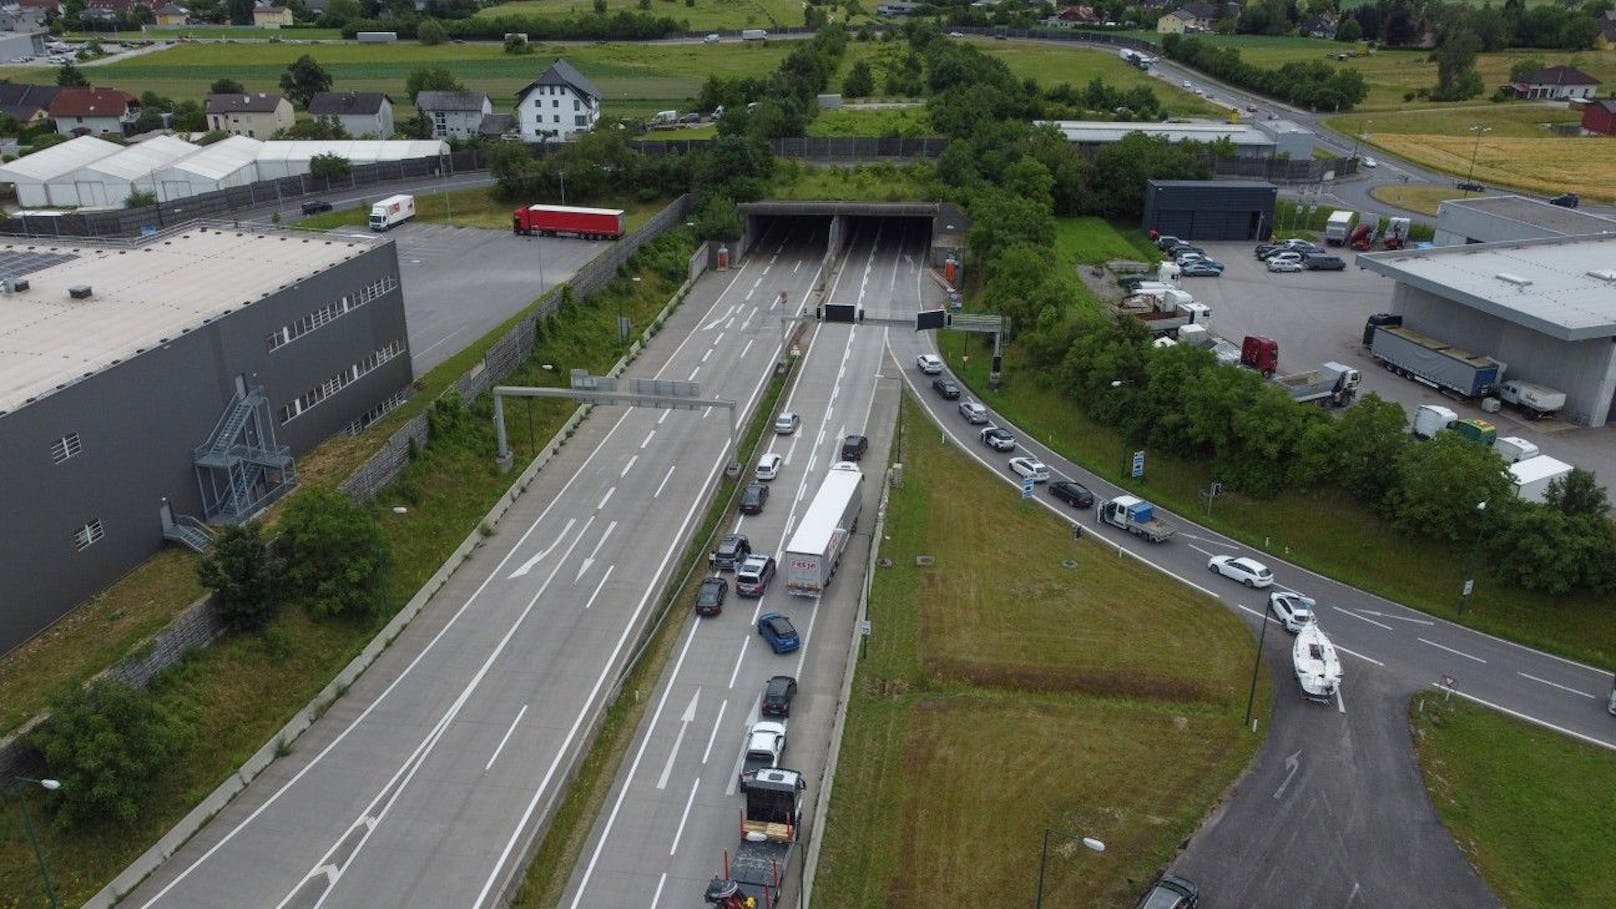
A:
339	13
243	573
431	79
859	82
240	11
314	128
106	744
150	118
329	165
431	32
226	86
1577	494
304	79
718	219
1348	31
140	198
1441	483
335	554
69	76
516	43
1368	448
1456	76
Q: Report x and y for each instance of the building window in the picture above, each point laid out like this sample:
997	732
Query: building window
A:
86	536
65	447
308	400
575	105
555	102
286	334
578	121
538	102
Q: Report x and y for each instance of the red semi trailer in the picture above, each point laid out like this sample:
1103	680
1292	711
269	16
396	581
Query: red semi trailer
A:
562	220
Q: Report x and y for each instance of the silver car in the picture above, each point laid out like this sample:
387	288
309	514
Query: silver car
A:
973	412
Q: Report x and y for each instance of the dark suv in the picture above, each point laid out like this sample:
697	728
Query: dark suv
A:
316	206
853	447
1171	892
1323	263
732	550
777	695
710	596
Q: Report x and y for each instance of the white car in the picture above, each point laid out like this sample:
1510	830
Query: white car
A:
1293	610
998	438
769	466
1367	161
787	423
973	412
930	364
1187	83
1030	467
1284	265
956	34
1249	572
711	39
1289	255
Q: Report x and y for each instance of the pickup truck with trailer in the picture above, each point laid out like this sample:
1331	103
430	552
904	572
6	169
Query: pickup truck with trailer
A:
1136	516
570	221
391	212
771	815
1536	401
820	539
1332	385
1435	363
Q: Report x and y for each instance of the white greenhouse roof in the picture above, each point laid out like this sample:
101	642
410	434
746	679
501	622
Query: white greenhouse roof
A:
1089	132
357	151
222	158
59	159
138	161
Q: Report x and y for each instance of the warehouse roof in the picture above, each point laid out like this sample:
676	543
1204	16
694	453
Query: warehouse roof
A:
63	158
222	158
49	340
357	151
1093	132
136	161
1565	221
1564	287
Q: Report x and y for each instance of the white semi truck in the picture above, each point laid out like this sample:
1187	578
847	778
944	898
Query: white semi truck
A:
816	548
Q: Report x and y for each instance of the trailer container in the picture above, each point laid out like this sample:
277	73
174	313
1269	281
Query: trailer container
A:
1435	363
562	220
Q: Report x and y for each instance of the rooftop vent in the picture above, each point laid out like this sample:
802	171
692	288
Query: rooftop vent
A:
79	291
1605	274
1516	280
14	285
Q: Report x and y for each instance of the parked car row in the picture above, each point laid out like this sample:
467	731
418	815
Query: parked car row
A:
1297	254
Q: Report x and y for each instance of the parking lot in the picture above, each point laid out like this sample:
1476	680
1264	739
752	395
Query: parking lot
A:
1318	316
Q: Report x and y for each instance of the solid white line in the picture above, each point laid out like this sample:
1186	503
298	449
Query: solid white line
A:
694	785
1363	618
600	586
804	636
609	528
648	437
628	467
495	756
657	896
1360	656
664	481
693	374
741	655
1528	718
1559	686
1339	702
1451	650
604	499
747	347
713	736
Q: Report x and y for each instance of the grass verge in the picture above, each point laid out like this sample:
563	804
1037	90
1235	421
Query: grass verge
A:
1532	809
1416	197
992	675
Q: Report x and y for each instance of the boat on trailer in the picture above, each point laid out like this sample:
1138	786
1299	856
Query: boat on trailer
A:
1318	669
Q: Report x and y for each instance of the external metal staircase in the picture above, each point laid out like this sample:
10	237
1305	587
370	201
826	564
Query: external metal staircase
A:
241	469
190	533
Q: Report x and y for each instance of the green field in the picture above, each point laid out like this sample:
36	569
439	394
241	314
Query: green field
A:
705	14
1010	690
1534	810
1090	240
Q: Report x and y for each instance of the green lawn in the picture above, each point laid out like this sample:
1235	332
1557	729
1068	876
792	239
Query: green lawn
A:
1091	241
1006	691
1534	810
703	15
852	121
1416	197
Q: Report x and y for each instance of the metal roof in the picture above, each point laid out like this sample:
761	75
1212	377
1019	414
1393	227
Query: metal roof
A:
221	159
137	161
1564	287
49	341
357	151
1086	132
59	159
1565	221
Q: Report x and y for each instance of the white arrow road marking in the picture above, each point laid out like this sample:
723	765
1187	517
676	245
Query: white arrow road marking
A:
589	560
527	566
1451	650
1362	618
684	726
1557	685
1292	764
1400	618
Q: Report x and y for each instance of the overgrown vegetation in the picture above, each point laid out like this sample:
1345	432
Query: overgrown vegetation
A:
1314	84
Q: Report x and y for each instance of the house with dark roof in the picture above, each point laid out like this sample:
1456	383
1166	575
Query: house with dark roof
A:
1318	25
108	10
1192	17
559	103
256	116
271	15
93	111
29	104
1555	83
1073	16
1600	117
457	114
497	126
15	18
171	14
362	114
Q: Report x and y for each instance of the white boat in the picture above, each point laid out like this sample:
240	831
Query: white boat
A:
1318	669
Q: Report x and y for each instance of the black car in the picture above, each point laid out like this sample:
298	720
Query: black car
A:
710	596
777	695
1566	200
946	388
1323	263
732	551
1171	892
1173	252
853	447
1470	186
753	497
1075	494
315	206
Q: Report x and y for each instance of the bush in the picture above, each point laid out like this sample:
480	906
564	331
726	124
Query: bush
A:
242	572
106	744
335	554
431	32
329	165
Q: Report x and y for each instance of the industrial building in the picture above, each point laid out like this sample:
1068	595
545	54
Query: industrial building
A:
150	388
1546	308
1211	209
1291	139
1248	141
1500	219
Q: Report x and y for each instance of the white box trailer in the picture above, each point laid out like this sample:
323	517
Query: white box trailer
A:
817	546
1533	476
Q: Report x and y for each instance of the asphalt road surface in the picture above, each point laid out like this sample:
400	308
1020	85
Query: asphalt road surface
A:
672	813
425	782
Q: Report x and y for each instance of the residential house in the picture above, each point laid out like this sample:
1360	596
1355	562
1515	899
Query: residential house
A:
93	111
1073	16
1600	117
256	116
271	15
458	114
44	6
1319	25
362	114
29	104
14	18
1192	17
1555	83
497	126
108	10
895	9
558	104
172	14
315	7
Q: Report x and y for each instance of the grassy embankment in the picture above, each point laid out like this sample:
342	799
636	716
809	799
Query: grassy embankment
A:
1007	690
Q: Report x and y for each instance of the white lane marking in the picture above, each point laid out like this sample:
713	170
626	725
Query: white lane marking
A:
713	736
1340	702
628	467
719	320
1400	618
797	266
422	353
598	587
1559	686
527	566
706	355
647	441
664	481
1529	718
694	785
692	376
685	720
633	771
747	347
804	636
604	499
1362	618
1451	650
1293	763
741	654
596	551
656	897
507	737
664	416
1354	653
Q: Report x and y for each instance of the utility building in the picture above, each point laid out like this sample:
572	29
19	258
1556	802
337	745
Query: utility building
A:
1211	209
150	389
1546	308
1499	219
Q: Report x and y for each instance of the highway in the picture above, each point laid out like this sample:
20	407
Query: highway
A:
423	785
674	809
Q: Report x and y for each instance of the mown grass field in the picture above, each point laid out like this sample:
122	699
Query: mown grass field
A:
1004	693
1089	240
1415	197
1533	809
704	14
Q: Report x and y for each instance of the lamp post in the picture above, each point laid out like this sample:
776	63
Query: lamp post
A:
1479	130
1127	458
1089	842
28	824
1262	637
1475	558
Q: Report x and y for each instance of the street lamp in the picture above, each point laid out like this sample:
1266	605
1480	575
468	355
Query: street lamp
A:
1262	638
1089	842
28	824
1475	558
1127	458
1479	131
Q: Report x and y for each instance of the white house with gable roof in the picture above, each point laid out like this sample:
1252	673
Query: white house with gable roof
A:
558	104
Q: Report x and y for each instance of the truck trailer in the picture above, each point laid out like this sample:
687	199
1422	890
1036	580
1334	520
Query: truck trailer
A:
1331	385
1339	227
754	874
569	221
1435	363
817	546
1533	476
391	212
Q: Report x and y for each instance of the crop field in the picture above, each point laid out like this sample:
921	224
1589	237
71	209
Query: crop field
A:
705	14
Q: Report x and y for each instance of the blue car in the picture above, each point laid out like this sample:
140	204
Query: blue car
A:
1202	268
778	631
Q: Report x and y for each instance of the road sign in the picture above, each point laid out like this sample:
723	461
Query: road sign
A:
864	627
1026	487
1138	464
1470	585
